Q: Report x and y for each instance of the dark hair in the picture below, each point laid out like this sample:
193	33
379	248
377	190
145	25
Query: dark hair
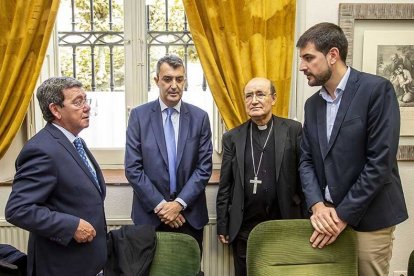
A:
172	60
51	91
325	36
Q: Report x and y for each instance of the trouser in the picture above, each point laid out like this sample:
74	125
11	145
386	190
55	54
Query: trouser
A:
239	246
375	251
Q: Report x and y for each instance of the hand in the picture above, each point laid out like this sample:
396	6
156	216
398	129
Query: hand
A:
85	232
169	211
320	239
324	219
224	239
180	220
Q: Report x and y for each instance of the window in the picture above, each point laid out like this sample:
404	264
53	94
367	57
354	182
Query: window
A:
112	47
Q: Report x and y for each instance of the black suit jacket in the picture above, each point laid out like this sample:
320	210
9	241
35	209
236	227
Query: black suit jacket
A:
359	163
230	196
52	190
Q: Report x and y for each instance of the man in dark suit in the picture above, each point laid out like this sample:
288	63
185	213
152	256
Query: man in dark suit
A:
168	157
259	177
348	164
55	194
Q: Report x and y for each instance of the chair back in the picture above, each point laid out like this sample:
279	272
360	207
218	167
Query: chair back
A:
176	254
410	270
282	247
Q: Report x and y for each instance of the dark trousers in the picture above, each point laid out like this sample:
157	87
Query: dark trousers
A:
197	234
239	246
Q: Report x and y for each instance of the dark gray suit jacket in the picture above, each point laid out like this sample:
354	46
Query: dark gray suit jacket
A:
359	163
230	196
52	190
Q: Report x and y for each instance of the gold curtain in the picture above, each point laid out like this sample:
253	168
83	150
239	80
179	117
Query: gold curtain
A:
240	39
26	26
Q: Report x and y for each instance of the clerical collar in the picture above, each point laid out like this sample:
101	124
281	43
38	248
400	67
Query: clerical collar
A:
264	127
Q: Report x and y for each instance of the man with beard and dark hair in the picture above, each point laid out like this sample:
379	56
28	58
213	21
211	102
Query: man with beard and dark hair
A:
348	164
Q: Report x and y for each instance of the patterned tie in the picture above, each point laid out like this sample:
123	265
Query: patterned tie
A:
79	147
170	142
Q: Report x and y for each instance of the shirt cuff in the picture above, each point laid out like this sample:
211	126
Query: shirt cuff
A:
179	200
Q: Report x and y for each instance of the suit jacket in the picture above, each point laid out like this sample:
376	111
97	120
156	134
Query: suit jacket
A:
52	190
146	162
230	196
359	162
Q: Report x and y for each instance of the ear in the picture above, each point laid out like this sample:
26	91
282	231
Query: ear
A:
274	97
55	111
333	55
156	80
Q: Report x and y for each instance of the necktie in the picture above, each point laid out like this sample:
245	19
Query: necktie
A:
79	147
170	142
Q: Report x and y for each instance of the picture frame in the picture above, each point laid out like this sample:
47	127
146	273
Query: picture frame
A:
352	14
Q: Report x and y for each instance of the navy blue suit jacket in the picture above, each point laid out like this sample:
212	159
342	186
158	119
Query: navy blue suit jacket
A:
359	162
146	162
52	190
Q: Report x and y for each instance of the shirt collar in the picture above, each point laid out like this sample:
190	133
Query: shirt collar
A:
67	133
163	106
339	89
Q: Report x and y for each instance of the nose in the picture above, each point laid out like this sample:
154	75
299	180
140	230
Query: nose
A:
302	66
254	99
174	84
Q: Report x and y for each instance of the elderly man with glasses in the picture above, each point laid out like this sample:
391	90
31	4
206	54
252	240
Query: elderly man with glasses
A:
259	178
58	191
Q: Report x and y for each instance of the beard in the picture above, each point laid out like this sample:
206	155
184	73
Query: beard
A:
321	79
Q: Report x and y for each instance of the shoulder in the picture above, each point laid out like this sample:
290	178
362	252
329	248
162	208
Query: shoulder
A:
194	110
237	130
289	122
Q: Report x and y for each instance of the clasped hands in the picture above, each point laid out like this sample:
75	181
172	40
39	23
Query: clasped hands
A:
169	213
326	224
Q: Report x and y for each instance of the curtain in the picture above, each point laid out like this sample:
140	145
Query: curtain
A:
25	29
237	40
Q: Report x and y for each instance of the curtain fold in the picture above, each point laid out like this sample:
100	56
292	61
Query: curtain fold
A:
26	27
240	39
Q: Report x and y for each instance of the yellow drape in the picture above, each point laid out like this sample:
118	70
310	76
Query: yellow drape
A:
240	39
25	29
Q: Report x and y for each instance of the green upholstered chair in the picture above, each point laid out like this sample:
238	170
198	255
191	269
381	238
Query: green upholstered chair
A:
281	247
176	254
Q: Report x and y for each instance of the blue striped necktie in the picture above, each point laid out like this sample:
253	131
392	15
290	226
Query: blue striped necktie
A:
79	147
171	149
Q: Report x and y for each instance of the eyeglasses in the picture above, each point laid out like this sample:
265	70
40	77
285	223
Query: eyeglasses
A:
80	103
169	79
248	97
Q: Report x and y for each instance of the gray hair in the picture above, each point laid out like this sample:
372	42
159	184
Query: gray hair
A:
272	88
172	60
51	91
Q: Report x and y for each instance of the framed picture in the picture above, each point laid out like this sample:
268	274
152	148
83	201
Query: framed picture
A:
390	54
376	32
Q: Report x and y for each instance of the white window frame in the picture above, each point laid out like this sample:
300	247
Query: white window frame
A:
135	84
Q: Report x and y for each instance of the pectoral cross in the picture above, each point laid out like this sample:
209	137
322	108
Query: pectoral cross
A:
255	181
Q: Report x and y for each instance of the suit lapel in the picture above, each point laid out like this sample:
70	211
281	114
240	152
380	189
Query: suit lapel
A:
280	134
346	100
240	141
183	131
61	138
99	175
158	129
321	125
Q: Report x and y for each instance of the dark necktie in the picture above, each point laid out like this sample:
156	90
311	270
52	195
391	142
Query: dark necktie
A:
171	150
79	147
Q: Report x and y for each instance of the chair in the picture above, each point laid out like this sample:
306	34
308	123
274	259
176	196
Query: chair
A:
281	247
176	254
410	270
